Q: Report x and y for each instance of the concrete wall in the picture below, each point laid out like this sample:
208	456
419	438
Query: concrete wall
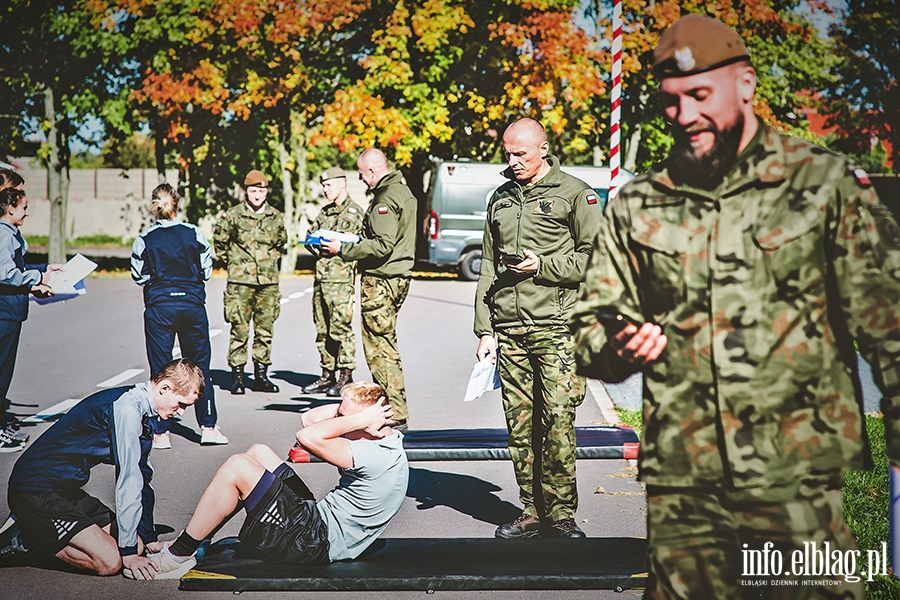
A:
116	202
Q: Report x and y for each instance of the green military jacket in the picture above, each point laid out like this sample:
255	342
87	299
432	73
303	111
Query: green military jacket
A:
761	287
250	244
557	218
389	231
346	218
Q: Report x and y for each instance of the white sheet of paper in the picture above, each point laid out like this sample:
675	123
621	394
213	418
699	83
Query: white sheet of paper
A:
69	284
77	269
485	377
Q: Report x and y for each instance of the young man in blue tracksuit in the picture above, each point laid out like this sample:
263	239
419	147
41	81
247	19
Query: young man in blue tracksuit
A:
55	515
171	260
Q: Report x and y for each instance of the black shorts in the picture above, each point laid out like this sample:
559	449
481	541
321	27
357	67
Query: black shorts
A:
285	525
49	520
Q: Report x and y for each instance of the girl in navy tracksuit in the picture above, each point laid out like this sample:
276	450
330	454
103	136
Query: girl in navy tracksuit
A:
172	260
17	281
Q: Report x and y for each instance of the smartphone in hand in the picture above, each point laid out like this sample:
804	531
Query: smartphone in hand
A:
614	322
512	259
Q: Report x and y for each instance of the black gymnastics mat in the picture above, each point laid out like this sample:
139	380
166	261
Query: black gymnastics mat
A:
436	564
491	444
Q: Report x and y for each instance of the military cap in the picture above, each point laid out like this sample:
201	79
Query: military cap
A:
256	179
332	173
695	44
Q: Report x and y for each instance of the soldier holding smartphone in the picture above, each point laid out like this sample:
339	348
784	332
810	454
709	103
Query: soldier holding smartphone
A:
537	241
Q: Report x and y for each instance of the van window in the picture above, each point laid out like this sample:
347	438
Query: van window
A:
464	198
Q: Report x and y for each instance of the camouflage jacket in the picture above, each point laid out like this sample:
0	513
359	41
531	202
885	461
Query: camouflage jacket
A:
761	287
388	247
250	244
556	218
346	218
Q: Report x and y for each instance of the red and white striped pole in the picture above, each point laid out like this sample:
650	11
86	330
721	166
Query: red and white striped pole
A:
615	118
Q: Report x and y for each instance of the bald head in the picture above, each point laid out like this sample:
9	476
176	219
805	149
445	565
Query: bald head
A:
524	149
372	165
526	129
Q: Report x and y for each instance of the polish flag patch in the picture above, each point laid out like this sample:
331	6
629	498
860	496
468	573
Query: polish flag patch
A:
862	177
591	199
382	210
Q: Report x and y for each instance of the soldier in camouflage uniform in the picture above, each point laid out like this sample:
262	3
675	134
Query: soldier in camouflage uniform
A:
386	255
250	238
749	262
537	240
334	290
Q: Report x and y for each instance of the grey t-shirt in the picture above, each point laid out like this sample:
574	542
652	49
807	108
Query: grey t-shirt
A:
367	497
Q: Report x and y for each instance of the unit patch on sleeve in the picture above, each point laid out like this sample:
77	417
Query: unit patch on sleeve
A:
591	199
382	210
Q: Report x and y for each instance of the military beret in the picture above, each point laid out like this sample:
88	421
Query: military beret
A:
256	179
332	173
694	44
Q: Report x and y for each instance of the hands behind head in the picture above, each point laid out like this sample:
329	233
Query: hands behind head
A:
377	417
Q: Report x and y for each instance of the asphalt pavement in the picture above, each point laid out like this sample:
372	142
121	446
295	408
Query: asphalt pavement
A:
69	349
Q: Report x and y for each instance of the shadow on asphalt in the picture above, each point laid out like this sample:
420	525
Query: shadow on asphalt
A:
294	378
176	428
304	403
463	493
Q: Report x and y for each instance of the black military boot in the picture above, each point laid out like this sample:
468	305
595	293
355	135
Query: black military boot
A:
261	381
238	387
345	376
321	384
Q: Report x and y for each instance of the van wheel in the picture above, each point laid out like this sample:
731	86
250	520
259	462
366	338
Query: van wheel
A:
470	265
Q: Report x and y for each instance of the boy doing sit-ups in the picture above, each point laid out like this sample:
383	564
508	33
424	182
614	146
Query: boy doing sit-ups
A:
284	522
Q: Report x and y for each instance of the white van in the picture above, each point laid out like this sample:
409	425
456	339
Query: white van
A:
458	197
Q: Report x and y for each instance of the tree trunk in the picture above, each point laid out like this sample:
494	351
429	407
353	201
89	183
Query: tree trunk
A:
634	140
159	148
57	251
300	221
289	260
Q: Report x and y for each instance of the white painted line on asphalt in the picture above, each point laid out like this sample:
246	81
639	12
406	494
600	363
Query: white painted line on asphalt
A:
120	378
296	295
308	290
57	409
214	332
285	300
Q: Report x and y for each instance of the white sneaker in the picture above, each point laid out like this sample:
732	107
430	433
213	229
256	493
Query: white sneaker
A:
212	435
171	566
162	441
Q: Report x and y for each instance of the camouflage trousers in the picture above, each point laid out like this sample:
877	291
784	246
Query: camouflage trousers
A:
702	541
380	299
540	394
262	305
333	304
